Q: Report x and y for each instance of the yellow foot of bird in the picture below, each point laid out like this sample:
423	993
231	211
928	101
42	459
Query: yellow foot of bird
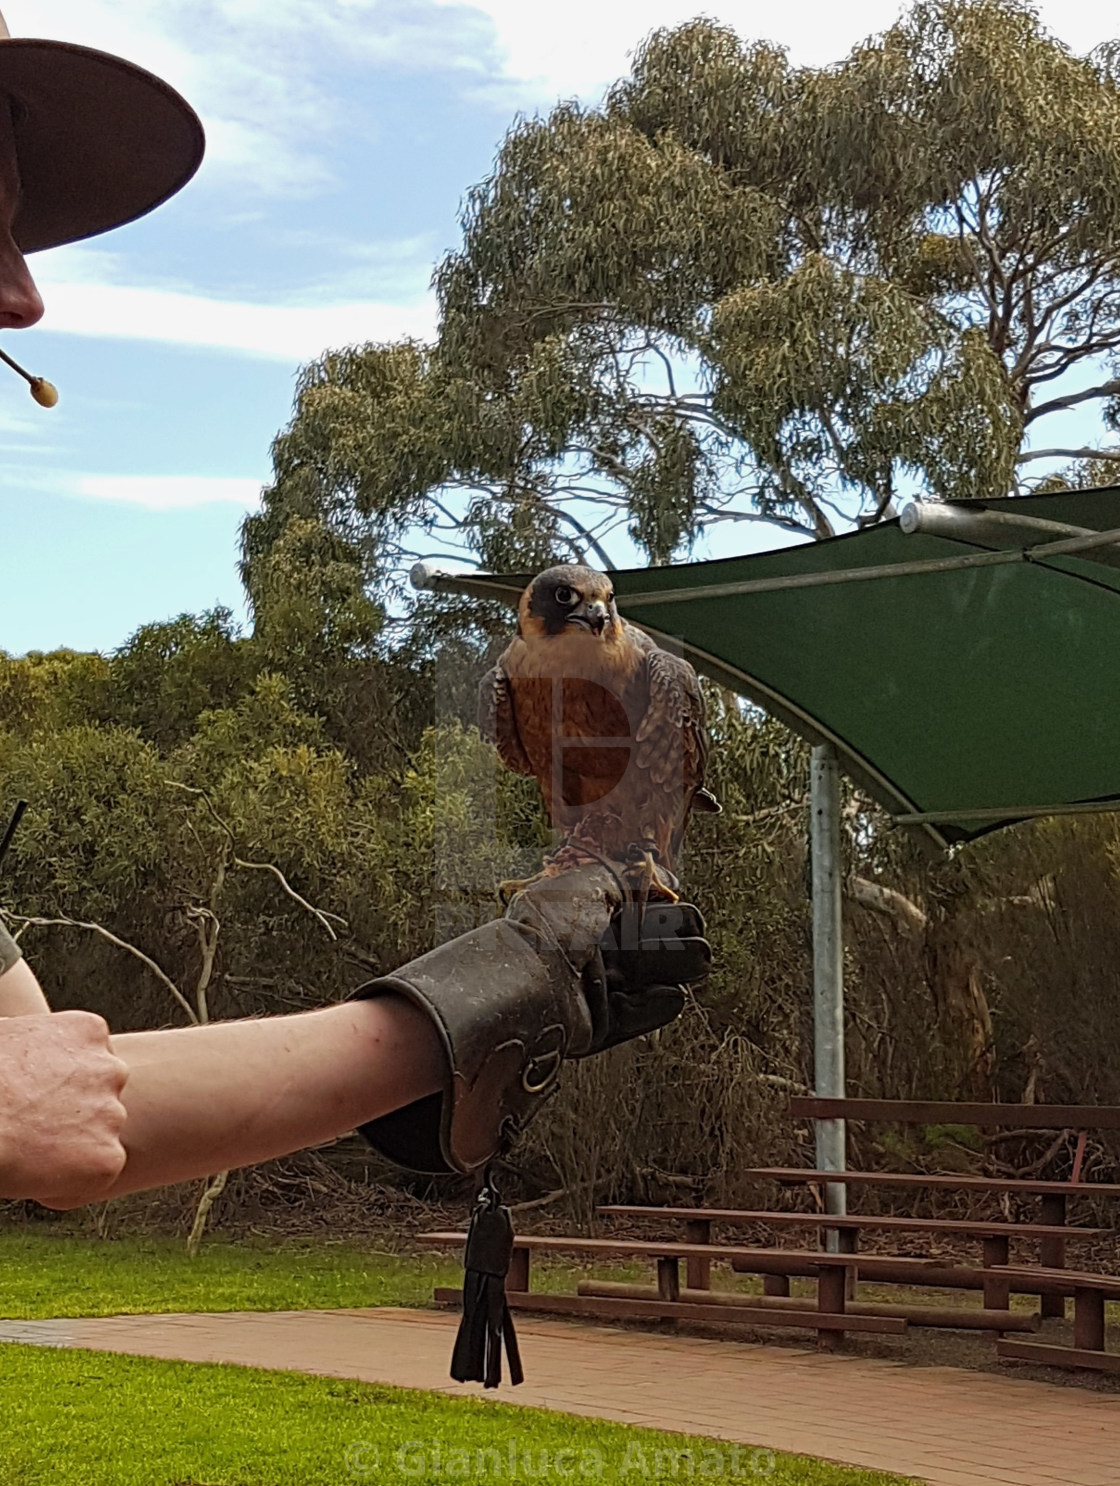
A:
647	879
509	889
566	858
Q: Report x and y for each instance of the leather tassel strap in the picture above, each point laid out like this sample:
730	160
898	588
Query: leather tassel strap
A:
486	1321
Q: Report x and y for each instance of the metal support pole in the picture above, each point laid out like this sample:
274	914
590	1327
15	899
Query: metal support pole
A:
828	964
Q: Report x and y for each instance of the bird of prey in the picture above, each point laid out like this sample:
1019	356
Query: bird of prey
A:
610	725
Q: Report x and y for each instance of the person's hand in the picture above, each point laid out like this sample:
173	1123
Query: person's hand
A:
61	1114
636	982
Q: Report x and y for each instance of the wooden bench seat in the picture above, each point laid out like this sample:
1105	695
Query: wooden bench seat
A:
994	1236
603	1307
779	1265
944	1317
789	1176
797	1262
966	1227
1089	1291
1029	1280
988	1116
829	1320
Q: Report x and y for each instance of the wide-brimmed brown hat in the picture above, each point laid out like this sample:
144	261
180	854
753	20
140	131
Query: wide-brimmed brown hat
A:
99	141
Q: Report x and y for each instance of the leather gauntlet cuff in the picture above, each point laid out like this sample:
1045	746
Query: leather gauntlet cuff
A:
563	975
507	1008
10	952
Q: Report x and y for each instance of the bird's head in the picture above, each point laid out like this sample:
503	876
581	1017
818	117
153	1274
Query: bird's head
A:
569	600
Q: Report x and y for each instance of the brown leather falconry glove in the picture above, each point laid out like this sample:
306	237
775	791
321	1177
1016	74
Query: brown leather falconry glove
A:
568	971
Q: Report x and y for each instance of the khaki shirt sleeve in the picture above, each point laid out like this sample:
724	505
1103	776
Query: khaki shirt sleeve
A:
10	951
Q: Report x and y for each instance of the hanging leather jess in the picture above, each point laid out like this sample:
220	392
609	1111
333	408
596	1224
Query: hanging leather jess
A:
486	1322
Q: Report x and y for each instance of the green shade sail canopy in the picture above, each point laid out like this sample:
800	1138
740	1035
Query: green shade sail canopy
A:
964	660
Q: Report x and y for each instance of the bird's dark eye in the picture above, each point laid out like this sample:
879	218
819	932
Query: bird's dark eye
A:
566	595
610	598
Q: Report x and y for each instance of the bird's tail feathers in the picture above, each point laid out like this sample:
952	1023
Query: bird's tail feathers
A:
706	803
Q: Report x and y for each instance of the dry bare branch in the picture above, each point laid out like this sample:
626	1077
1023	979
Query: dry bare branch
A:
885	900
1066	454
320	913
770	812
550	1197
214	1189
93	928
206	800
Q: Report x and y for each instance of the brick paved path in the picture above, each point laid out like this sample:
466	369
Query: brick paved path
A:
944	1426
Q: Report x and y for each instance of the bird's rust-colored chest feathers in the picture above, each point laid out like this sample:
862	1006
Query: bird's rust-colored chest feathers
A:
609	724
576	673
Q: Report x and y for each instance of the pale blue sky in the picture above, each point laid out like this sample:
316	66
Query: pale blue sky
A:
343	135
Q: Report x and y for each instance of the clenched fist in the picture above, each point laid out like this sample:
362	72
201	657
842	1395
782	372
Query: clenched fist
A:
61	1114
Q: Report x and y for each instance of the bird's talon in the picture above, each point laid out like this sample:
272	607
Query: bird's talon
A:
509	889
648	878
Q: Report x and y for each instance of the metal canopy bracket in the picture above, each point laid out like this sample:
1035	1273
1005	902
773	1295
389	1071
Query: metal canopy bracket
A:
1003	529
1008	813
1084	544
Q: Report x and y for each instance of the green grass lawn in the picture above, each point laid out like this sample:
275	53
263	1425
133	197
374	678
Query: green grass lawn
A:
64	1275
91	1419
43	1275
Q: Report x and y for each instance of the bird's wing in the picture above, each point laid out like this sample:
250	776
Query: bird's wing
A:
497	723
671	739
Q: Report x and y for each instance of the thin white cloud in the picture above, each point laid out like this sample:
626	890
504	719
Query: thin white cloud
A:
552	51
20	427
269	76
163	492
577	49
380	295
83	298
273	80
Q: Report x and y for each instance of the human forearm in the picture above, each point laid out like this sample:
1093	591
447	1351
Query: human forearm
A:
20	992
203	1099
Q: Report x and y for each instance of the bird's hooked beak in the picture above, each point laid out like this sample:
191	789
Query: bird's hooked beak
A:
592	614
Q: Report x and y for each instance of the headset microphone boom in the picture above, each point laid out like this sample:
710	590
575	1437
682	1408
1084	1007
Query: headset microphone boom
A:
45	393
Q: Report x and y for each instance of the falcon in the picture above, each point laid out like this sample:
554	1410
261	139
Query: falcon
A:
610	725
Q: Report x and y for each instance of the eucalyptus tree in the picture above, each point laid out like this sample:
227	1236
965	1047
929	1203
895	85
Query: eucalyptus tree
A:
741	290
